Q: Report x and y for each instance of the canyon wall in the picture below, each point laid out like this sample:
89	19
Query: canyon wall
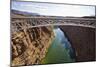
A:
83	40
29	46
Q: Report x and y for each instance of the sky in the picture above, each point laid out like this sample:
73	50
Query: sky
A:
92	2
54	9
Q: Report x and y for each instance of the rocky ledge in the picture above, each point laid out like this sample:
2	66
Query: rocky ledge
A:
29	46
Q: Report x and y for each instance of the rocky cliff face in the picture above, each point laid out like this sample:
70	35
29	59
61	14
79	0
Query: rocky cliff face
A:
29	46
83	41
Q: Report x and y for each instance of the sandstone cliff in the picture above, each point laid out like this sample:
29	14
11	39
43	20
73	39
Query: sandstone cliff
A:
29	46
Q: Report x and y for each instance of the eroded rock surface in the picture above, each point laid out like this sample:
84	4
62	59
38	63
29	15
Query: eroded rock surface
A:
29	46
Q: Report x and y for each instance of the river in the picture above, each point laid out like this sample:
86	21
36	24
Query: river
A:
60	51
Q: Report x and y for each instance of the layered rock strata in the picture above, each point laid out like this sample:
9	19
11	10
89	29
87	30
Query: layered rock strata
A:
83	40
29	46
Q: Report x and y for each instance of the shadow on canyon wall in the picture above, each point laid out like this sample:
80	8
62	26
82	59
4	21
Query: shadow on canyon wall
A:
83	40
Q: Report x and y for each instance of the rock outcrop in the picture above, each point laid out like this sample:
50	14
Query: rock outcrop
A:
83	40
29	46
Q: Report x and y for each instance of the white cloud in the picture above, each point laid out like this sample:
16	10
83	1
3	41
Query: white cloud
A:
90	2
54	9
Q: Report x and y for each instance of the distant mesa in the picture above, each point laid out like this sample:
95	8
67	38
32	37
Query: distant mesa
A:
24	13
89	16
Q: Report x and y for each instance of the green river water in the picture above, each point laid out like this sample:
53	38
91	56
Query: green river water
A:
58	52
